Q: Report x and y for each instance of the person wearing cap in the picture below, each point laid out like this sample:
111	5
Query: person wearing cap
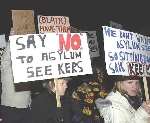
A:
49	106
125	104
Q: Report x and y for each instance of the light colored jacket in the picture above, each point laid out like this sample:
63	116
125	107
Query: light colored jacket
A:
116	109
9	96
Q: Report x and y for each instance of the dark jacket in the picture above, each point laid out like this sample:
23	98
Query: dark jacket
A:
44	109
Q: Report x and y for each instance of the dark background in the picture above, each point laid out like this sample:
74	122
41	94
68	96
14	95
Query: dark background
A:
85	14
134	15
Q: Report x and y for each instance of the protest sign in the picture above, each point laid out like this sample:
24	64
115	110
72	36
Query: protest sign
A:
126	53
53	24
23	22
92	43
49	55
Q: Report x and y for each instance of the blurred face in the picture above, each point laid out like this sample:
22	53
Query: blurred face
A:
61	86
132	87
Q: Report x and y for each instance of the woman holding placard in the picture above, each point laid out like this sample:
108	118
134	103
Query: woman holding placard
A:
125	104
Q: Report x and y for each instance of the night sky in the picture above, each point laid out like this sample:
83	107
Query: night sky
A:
84	15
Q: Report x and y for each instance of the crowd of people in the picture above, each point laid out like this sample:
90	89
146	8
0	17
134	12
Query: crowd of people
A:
92	98
87	99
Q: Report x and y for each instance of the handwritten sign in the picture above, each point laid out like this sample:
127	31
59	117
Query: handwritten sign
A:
49	55
92	43
23	22
126	53
53	24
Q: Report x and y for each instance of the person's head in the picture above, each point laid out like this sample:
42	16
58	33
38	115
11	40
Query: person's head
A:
58	86
98	72
128	85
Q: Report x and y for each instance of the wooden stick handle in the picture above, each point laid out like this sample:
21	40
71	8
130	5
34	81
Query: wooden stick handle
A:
57	96
146	88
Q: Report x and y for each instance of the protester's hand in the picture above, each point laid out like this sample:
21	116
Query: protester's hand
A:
146	106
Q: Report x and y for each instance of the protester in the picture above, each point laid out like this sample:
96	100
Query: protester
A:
86	94
14	104
125	104
51	106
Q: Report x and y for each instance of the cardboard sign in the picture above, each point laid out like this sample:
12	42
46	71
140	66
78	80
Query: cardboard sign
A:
23	22
49	55
53	24
92	43
126	53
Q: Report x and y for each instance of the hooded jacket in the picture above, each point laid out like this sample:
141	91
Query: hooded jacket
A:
116	109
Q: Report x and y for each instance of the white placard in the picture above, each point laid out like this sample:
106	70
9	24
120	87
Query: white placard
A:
126	53
49	55
92	43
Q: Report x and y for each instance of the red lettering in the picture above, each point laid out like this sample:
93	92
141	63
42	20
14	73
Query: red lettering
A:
75	42
62	42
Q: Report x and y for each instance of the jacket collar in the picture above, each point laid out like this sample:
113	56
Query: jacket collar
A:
117	99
